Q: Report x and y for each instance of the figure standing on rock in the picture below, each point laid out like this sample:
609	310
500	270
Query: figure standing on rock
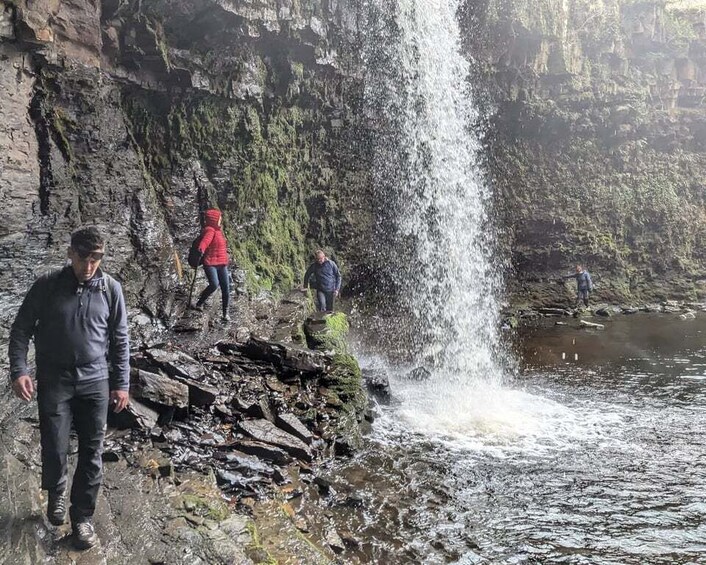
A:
584	285
214	251
326	281
78	319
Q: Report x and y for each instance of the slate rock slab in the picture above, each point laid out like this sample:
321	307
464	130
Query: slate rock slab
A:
159	389
292	425
177	363
266	432
288	356
263	451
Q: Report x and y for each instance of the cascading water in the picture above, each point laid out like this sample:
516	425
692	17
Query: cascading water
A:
436	222
434	211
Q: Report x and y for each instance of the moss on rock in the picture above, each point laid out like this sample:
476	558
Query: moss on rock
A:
327	332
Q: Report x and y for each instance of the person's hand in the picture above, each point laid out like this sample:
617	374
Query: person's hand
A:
335	293
119	400
23	387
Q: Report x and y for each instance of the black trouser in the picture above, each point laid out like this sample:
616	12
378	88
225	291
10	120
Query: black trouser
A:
62	400
217	276
324	300
582	296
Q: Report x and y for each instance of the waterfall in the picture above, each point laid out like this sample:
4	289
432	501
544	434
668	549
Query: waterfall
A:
435	236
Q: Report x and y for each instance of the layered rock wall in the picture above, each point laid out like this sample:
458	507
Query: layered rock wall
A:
136	115
596	143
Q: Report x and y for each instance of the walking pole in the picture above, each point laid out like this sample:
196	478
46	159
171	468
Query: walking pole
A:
193	281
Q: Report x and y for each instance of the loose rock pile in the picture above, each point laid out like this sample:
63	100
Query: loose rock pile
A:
250	412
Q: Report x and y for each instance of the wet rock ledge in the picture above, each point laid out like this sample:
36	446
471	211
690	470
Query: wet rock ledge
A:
215	442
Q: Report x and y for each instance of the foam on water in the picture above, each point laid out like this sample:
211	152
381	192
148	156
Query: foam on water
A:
498	420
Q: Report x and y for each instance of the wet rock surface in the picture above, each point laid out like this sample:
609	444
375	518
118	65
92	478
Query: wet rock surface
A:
596	316
214	433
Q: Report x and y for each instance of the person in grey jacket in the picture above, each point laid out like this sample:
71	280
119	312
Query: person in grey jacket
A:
78	320
584	285
326	281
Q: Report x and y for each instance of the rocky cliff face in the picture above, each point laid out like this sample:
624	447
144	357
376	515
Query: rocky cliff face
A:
596	142
134	115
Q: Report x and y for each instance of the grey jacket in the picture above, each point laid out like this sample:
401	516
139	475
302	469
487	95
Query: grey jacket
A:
583	281
76	327
326	275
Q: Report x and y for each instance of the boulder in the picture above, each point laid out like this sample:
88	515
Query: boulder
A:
200	394
327	332
244	463
585	324
287	356
159	389
377	383
266	432
293	425
263	451
604	311
135	415
176	363
419	374
260	409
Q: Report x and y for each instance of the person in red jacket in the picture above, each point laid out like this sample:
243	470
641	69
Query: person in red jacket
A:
214	249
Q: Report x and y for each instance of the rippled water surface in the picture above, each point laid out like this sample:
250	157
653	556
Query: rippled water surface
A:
595	454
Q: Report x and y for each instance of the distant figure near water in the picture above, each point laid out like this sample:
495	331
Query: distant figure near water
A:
584	285
326	281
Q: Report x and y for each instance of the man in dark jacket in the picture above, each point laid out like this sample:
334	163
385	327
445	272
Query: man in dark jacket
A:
326	281
78	320
584	285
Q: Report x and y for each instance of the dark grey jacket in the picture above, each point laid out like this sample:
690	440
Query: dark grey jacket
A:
327	276
583	281
76	327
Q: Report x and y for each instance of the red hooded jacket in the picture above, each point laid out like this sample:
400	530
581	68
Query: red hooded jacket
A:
213	243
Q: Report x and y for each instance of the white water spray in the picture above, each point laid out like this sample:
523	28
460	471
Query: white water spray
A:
428	175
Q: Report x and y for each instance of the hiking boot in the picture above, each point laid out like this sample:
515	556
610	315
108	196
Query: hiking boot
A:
85	537
225	318
198	307
56	509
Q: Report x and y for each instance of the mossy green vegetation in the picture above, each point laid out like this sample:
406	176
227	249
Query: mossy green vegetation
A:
345	378
328	333
256	551
261	160
601	164
205	507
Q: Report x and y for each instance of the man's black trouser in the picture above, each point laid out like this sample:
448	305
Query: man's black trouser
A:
63	400
324	300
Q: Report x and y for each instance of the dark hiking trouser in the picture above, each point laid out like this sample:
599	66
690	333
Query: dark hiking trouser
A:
582	296
217	276
63	400
324	300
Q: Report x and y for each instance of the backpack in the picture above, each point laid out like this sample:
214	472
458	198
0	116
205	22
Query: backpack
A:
195	257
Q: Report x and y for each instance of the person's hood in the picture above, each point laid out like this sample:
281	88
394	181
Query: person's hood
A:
212	216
